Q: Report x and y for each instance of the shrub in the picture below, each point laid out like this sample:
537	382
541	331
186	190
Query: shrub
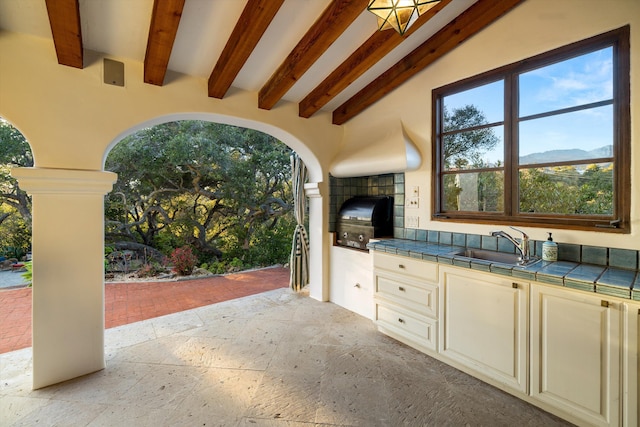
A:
217	267
183	260
28	274
236	264
149	270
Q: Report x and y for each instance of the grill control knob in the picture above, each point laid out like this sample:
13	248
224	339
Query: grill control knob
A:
361	238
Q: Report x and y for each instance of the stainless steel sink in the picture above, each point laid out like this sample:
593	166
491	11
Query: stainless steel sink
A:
493	256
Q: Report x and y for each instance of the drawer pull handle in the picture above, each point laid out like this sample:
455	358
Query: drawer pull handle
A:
400	288
400	265
604	303
357	285
401	320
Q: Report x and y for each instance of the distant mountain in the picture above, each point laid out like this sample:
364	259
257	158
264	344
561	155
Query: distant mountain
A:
566	155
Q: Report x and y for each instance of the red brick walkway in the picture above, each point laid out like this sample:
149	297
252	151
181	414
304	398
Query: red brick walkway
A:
134	301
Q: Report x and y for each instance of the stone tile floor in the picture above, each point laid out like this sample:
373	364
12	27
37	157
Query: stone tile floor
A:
271	359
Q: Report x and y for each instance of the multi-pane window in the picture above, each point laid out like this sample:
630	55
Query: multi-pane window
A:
543	141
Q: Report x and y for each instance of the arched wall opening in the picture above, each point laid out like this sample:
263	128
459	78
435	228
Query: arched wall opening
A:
315	189
220	195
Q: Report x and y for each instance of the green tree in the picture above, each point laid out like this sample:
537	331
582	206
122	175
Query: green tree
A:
210	186
464	148
548	190
595	195
566	190
467	147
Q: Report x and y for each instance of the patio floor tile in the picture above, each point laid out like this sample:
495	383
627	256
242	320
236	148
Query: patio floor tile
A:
274	359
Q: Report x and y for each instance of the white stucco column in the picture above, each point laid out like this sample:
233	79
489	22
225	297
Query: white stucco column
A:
318	241
68	271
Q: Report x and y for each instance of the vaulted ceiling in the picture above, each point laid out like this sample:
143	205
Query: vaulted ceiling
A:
324	55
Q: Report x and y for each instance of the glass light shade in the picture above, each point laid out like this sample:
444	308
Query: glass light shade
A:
399	14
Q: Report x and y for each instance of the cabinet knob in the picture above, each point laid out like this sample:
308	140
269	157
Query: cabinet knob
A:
357	285
401	320
400	288
514	285
604	303
400	265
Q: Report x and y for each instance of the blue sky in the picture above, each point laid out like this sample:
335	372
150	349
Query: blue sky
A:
573	82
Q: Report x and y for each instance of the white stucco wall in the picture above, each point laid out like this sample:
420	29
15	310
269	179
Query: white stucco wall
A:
71	118
534	27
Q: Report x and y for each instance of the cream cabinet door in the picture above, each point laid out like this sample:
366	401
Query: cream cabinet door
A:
484	324
352	280
631	365
575	353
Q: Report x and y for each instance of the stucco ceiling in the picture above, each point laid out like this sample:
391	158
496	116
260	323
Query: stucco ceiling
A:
125	29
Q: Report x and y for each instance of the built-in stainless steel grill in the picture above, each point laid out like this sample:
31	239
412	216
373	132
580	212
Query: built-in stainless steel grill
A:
363	218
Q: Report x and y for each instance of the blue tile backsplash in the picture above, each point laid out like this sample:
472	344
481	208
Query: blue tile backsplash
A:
342	189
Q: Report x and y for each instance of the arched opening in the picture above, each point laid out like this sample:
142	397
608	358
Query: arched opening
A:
203	126
196	200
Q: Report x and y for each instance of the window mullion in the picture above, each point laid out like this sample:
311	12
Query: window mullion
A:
510	150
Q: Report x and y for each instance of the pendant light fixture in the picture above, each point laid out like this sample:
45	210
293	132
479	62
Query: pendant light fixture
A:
399	14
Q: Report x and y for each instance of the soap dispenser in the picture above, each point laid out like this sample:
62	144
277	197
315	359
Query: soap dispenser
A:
550	250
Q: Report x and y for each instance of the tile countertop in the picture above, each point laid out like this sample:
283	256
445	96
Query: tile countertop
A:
601	279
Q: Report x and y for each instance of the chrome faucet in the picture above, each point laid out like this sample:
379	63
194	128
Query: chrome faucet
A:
522	246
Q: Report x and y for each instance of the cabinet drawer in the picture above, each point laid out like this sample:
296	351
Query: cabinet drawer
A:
423	297
423	270
403	324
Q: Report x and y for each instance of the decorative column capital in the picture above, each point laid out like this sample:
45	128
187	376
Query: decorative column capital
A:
312	189
64	181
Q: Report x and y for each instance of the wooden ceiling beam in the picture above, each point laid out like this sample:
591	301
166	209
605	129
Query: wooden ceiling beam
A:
64	18
367	55
255	18
327	28
470	22
162	33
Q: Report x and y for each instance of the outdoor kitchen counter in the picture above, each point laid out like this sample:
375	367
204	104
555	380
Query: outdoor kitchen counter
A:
600	279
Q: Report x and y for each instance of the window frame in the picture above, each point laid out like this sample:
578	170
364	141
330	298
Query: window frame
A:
619	221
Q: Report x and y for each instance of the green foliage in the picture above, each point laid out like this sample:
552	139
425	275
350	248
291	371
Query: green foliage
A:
214	187
15	235
565	190
216	267
272	245
183	260
466	149
28	273
225	266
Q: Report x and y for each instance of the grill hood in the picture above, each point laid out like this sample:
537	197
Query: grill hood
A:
363	218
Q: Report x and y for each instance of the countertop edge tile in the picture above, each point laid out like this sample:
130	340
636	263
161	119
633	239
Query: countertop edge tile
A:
569	274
